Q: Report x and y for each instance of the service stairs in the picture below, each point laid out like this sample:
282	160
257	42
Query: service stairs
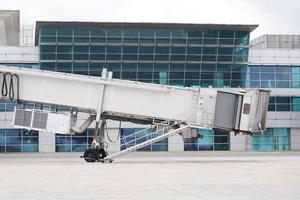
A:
145	137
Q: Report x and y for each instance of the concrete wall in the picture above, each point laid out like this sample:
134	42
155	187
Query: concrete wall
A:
46	142
15	54
274	56
295	139
237	142
10	27
175	143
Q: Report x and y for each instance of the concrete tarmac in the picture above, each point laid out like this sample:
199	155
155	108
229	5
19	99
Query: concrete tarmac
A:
155	176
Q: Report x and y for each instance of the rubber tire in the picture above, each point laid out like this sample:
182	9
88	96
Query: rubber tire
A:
90	155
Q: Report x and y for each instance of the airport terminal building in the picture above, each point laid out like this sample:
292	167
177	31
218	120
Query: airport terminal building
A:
180	55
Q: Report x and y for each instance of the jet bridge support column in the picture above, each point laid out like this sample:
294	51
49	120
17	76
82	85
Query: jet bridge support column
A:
99	138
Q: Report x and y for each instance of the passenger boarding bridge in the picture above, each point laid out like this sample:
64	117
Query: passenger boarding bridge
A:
167	109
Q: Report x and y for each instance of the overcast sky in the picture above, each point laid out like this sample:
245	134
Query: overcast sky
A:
273	16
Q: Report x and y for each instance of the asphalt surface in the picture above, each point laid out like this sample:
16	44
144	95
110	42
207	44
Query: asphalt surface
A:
188	175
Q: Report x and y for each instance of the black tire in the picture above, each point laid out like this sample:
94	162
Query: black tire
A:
90	155
102	153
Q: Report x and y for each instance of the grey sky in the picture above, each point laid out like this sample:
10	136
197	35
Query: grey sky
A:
273	16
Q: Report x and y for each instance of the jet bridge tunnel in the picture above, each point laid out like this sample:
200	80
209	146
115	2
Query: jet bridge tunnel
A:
168	108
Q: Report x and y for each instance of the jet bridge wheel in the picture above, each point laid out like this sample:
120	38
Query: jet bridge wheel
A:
90	155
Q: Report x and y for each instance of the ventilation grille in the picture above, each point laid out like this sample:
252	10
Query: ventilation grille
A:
39	120
23	118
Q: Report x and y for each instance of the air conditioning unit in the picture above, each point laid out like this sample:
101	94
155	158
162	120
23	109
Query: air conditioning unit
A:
41	120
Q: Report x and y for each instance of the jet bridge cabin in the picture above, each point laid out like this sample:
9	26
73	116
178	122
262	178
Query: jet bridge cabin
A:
167	109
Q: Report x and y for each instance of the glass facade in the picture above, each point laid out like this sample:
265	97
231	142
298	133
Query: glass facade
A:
213	140
275	139
24	65
284	104
18	140
270	76
175	56
73	143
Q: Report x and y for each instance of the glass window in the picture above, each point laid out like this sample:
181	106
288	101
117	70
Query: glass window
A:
97	49
48	66
64	67
48	48
193	67
273	139
48	31
162	50
130	49
242	38
296	104
210	50
179	36
114	49
194	50
210	37
81	49
129	67
64	48
145	67
98	35
208	68
146	49
226	37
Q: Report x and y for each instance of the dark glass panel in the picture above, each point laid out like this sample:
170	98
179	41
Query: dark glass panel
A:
78	56
97	49
146	49
48	56
48	31
81	66
64	48
145	67
210	50
129	57
208	67
113	57
48	48
178	57
130	49
65	31
193	58
162	50
194	50
242	38
162	57
180	67
226	37
48	39
47	66
64	67
98	32
81	31
81	49
193	67
146	57
129	67
114	49
132	75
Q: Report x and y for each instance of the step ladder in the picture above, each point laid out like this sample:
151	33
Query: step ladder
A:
148	137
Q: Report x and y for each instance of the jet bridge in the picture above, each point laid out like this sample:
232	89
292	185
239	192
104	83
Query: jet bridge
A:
169	110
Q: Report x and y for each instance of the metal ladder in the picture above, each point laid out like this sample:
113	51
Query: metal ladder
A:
146	138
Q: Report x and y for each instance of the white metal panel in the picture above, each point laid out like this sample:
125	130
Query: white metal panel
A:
245	117
206	107
174	104
16	54
58	123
